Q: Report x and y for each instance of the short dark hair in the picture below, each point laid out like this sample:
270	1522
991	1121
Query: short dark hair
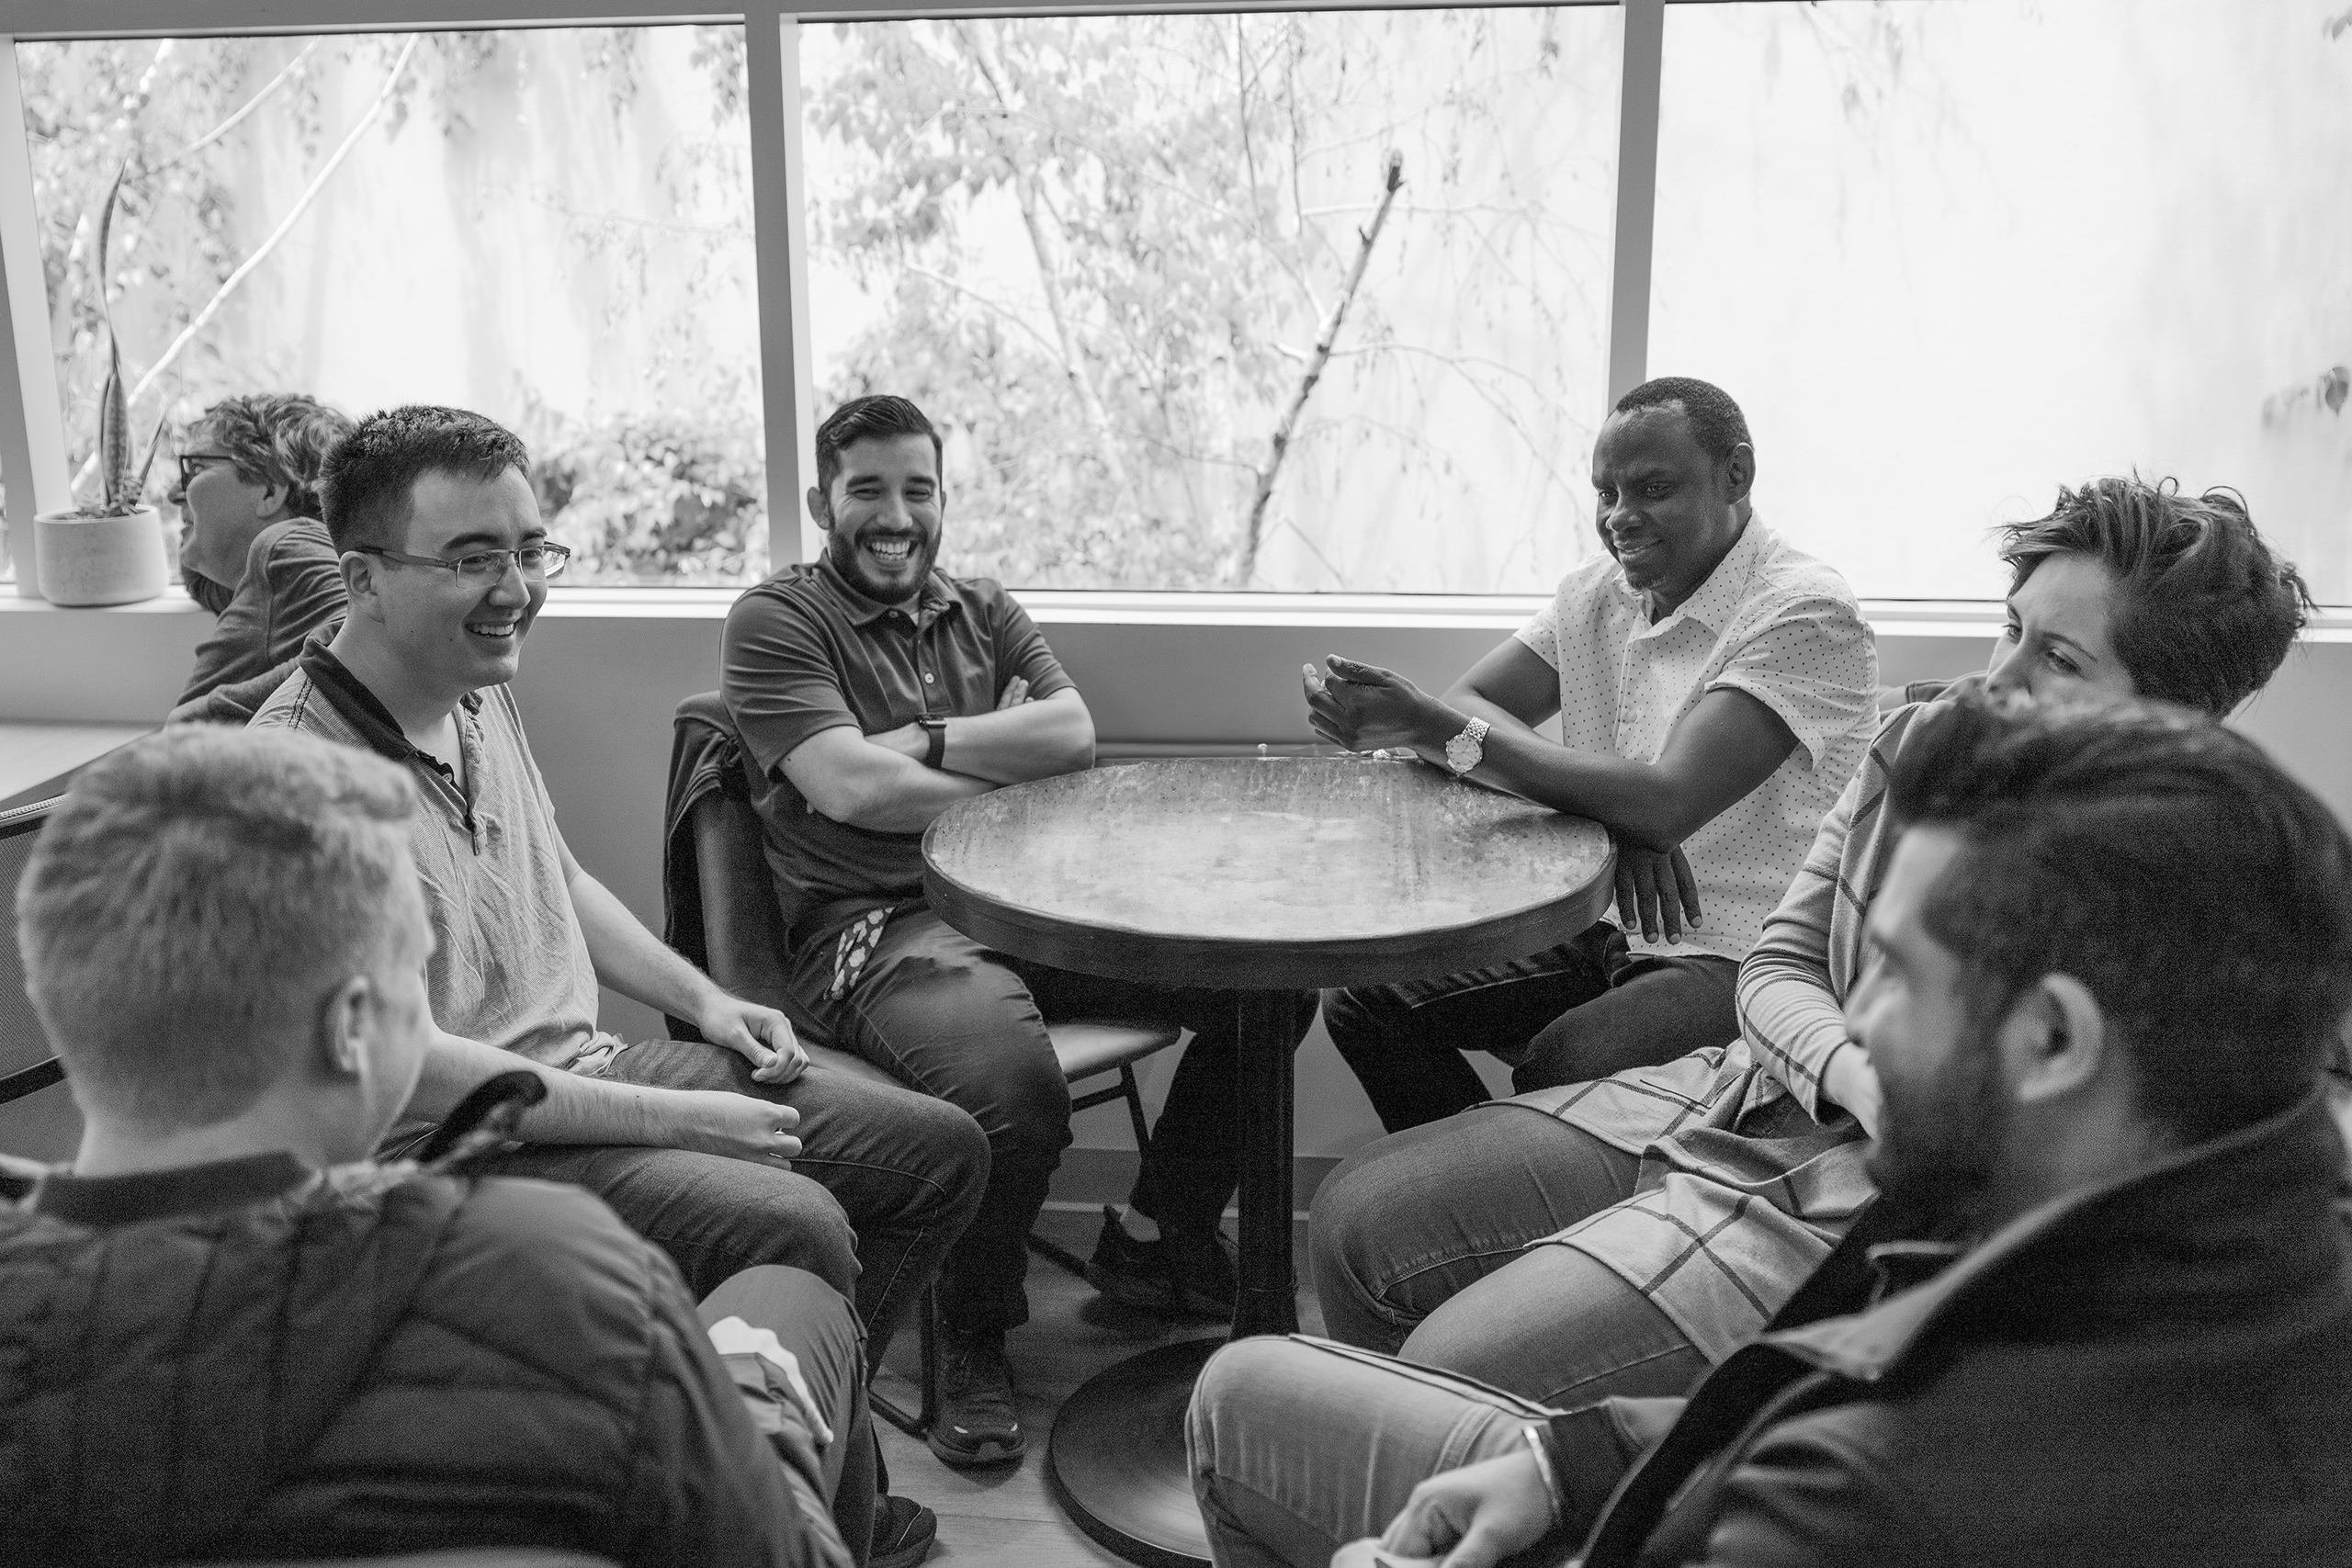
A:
863	419
1716	420
2202	895
278	438
2204	612
369	474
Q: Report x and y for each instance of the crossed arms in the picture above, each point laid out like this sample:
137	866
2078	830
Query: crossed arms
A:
880	783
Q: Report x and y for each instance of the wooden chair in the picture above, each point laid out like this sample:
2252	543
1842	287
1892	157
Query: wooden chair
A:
741	942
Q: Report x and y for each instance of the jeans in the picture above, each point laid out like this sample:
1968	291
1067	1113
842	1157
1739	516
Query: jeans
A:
812	1321
1300	1446
1429	1244
885	1183
937	1010
1570	1014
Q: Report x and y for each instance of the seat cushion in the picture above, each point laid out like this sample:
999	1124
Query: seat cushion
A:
1084	1049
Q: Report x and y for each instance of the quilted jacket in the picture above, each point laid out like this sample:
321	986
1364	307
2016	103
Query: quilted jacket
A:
2153	1374
377	1361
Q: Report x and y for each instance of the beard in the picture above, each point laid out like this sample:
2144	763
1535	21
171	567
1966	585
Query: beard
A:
865	575
1939	1141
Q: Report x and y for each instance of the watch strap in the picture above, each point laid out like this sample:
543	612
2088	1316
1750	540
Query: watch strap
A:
935	754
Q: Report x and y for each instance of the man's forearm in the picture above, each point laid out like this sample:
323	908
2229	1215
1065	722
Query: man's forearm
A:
631	959
909	797
1035	740
577	1110
1637	800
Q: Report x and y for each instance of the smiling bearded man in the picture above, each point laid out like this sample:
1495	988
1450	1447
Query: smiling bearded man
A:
872	692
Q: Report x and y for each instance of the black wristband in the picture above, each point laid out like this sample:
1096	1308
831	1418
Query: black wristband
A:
935	755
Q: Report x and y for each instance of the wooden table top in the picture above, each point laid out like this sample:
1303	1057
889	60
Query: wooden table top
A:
1241	871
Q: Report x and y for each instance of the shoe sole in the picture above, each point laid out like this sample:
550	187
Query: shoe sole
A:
980	1454
906	1556
1130	1293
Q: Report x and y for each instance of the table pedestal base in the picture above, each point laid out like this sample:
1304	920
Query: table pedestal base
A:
1116	1458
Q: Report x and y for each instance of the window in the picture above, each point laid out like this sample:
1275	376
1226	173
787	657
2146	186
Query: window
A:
1107	254
1951	252
550	226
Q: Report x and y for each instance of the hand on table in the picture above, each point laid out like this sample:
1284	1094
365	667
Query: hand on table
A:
1362	707
734	1127
761	1035
1655	891
1472	1517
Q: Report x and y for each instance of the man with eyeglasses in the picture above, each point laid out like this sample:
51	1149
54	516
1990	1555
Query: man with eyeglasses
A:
728	1152
254	551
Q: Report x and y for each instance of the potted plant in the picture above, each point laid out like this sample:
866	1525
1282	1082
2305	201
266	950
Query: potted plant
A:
111	553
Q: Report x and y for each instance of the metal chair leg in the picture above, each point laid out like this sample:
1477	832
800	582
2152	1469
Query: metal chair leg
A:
915	1423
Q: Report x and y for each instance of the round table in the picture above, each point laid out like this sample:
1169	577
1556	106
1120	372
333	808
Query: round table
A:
1253	875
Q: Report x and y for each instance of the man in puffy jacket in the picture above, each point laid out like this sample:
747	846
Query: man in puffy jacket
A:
224	1335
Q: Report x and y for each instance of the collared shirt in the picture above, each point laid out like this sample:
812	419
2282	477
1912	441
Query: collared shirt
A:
1768	621
292	588
806	652
163	1194
511	969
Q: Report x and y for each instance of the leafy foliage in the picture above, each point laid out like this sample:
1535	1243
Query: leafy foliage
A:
661	499
1103	249
149	138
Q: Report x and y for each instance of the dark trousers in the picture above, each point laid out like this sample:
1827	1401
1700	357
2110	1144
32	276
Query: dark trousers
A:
940	1012
1571	1014
885	1183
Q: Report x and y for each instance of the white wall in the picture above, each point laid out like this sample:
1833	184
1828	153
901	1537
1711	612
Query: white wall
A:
602	674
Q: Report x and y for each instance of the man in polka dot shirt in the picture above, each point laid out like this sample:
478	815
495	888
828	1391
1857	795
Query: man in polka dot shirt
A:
1715	690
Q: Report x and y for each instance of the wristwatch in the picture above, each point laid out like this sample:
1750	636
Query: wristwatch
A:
936	730
1464	750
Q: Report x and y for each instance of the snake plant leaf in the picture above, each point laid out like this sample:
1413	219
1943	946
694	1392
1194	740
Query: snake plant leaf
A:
155	444
114	403
114	440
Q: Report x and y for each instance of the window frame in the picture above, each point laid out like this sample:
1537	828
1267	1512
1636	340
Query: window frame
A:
32	435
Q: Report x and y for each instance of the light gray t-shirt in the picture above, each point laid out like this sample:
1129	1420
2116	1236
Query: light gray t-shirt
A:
512	967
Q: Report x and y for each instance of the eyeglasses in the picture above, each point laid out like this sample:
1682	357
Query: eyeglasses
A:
538	562
195	463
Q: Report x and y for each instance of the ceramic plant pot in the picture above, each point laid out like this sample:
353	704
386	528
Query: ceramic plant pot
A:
101	560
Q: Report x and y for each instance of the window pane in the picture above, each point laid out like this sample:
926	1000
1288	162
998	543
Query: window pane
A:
1101	252
552	227
1952	253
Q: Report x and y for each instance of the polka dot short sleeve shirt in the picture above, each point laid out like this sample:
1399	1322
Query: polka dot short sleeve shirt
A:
1768	621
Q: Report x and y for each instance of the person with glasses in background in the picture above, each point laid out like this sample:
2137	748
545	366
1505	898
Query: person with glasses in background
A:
254	551
727	1152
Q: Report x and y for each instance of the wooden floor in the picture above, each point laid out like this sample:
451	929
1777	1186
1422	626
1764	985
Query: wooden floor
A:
1006	1517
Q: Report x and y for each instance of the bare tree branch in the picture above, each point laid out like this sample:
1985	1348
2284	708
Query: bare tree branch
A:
197	322
1251	531
226	126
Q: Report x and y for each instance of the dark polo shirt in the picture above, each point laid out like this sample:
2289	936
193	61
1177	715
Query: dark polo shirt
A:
805	652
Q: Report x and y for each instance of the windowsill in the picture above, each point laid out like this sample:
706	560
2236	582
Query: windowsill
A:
1061	607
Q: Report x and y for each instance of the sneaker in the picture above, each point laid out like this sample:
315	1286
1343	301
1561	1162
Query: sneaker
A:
1182	1274
903	1531
977	1424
